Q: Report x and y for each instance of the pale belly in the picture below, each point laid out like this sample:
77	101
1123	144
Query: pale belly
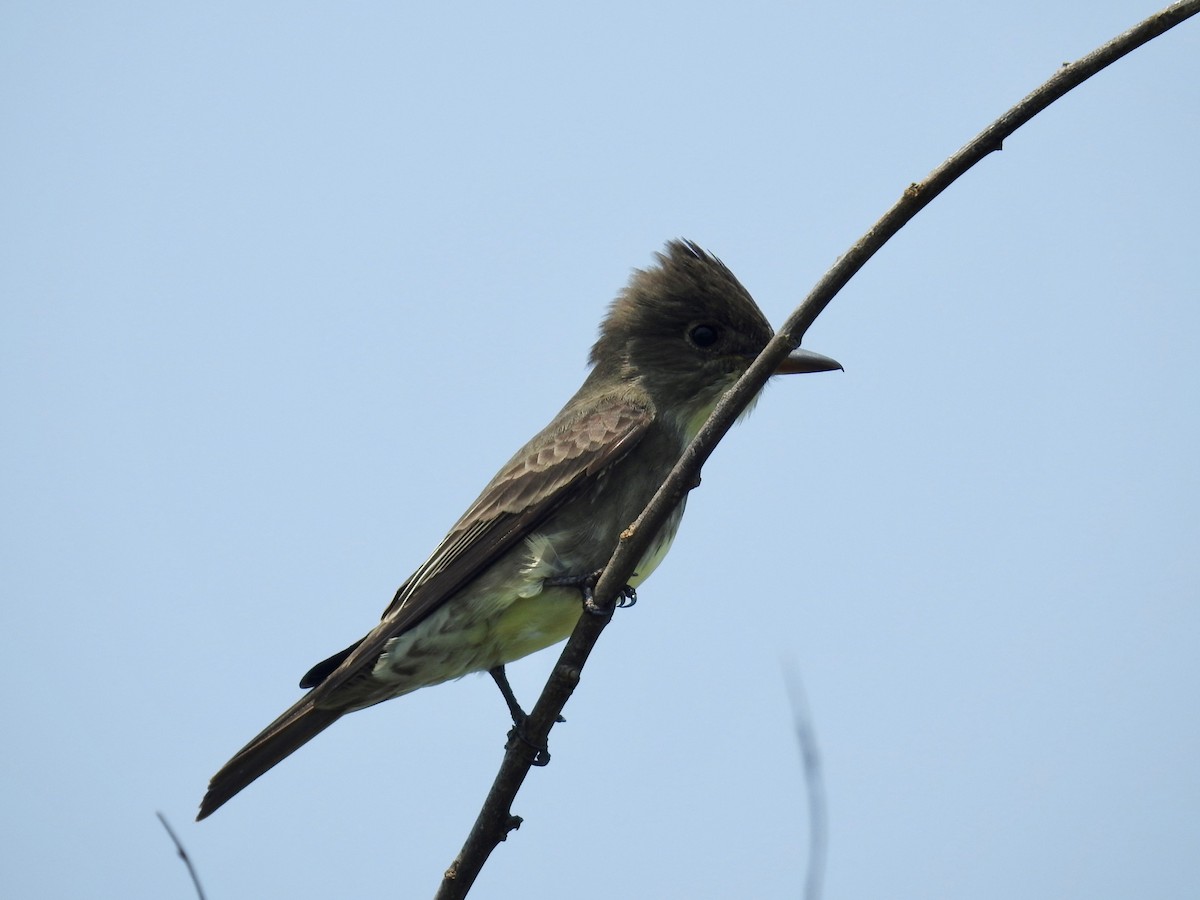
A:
535	622
503	616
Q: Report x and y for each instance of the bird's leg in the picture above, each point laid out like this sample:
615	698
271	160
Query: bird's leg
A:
542	756
627	596
501	679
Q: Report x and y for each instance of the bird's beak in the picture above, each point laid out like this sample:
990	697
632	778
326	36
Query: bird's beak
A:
801	361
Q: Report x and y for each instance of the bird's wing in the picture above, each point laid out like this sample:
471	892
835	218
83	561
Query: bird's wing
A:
561	461
555	466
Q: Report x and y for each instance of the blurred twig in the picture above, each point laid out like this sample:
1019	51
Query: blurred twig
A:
814	783
187	861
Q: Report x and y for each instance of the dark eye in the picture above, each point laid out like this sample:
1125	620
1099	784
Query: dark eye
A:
703	336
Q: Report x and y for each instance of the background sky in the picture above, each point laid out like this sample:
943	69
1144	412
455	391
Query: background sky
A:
284	284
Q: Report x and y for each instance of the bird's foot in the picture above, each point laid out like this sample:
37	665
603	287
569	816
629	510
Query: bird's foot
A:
519	717
541	753
586	584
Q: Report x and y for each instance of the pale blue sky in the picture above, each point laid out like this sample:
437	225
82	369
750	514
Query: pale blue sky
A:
284	284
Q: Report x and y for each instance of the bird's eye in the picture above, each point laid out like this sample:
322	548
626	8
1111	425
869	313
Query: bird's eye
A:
703	336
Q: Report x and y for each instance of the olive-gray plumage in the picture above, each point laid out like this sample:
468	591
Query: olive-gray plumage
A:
674	340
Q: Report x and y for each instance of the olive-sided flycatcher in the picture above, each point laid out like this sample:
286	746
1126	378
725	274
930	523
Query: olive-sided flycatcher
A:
498	587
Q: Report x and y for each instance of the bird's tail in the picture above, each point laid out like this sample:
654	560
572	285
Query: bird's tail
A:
291	731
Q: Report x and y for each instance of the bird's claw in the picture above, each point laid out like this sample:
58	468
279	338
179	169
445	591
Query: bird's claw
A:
586	584
541	755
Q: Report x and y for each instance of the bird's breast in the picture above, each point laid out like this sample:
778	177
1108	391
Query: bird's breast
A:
659	547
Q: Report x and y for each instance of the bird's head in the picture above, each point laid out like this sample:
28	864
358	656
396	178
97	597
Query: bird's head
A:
686	330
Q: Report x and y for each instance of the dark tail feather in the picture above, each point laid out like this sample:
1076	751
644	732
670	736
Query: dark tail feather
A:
280	739
325	667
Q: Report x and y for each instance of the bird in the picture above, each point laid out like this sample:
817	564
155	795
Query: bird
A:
506	580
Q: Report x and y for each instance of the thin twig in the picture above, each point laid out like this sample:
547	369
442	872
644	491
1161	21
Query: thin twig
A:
495	819
187	861
814	783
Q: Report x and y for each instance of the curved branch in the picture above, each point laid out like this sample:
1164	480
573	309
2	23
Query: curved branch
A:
495	820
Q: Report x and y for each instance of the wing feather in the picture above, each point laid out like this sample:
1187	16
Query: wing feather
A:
551	469
555	466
